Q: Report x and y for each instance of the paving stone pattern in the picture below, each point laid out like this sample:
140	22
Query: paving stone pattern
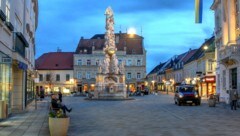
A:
150	115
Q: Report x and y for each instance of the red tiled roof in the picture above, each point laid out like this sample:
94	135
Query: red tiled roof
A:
55	61
133	44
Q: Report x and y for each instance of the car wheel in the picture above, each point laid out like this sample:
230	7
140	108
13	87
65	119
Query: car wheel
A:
179	104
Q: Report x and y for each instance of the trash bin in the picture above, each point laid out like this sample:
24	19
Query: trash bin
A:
3	110
211	101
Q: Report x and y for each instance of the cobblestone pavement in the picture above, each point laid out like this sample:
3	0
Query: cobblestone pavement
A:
28	123
150	115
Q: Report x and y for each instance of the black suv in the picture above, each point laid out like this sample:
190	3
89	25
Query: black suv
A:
186	94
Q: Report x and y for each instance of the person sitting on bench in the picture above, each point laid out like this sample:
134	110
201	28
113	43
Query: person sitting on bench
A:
59	105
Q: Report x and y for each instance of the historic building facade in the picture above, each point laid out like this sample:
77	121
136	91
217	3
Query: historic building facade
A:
55	72
18	23
130	51
227	28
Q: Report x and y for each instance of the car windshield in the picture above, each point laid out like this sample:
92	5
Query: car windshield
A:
186	89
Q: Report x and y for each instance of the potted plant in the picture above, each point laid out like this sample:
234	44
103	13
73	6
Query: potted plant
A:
58	123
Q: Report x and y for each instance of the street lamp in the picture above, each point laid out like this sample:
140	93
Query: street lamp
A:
205	47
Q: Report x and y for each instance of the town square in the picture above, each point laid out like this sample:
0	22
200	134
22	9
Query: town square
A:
141	68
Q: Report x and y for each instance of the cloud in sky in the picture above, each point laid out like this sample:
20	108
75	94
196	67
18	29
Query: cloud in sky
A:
166	24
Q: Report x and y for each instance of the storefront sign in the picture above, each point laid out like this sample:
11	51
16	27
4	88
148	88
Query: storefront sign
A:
210	79
167	82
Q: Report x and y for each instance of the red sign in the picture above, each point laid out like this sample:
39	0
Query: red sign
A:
210	79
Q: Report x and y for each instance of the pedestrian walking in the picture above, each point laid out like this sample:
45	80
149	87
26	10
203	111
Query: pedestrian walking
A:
41	93
60	96
233	94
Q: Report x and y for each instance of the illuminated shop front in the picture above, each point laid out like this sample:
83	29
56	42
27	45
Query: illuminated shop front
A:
208	86
5	85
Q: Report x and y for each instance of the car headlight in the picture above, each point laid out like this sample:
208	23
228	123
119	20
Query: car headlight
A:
180	95
196	95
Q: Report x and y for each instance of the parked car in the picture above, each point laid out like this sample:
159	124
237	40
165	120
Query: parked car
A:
145	92
186	94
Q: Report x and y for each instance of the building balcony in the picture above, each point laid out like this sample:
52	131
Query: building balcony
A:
2	15
229	54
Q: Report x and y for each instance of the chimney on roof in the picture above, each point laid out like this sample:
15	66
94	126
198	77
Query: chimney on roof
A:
82	37
120	32
58	49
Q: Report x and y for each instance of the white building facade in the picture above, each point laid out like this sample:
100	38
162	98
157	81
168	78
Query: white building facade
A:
227	28
18	23
89	54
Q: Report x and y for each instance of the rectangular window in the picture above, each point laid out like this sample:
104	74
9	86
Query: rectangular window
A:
88	62
40	77
8	10
129	75
79	62
57	77
210	66
88	75
138	75
48	77
79	75
129	62
67	77
119	61
138	62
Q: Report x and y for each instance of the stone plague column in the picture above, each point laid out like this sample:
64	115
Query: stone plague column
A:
110	80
